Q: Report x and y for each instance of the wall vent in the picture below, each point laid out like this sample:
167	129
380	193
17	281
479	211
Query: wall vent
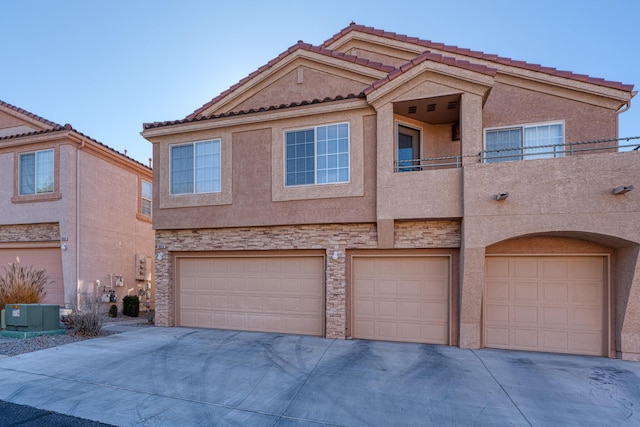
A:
431	107
413	109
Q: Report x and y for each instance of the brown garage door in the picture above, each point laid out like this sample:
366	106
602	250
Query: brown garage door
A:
48	259
401	298
553	304
268	294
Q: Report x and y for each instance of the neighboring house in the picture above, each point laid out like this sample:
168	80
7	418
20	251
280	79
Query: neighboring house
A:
380	186
74	207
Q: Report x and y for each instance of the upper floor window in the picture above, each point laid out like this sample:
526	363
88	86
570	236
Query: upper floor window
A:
146	198
36	172
195	168
319	155
525	142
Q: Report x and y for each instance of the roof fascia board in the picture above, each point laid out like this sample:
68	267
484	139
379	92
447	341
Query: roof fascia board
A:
338	66
255	118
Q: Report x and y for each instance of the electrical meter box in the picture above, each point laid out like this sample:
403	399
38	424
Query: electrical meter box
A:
32	317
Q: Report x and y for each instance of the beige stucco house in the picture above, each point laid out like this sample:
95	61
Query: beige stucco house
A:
75	207
385	187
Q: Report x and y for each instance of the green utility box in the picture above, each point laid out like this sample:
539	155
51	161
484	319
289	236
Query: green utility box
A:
32	317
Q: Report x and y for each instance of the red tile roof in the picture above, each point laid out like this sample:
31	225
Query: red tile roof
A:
298	46
427	44
28	114
250	111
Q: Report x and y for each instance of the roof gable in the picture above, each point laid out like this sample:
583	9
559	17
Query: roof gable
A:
404	43
17	121
344	71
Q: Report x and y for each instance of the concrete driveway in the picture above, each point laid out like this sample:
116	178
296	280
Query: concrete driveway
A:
192	377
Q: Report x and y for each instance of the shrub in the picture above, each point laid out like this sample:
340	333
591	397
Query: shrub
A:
131	305
22	285
113	310
85	319
86	324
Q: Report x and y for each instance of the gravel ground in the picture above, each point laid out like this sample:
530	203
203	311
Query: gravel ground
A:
15	346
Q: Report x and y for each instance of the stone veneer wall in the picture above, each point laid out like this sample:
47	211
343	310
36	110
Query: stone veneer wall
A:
29	233
329	237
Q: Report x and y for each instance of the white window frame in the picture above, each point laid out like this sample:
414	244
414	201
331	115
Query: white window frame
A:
144	199
520	154
316	155
37	173
216	178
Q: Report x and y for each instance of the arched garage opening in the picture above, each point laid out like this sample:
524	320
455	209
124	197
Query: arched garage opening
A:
562	293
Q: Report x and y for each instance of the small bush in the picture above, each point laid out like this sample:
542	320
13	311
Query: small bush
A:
131	305
113	310
86	324
22	285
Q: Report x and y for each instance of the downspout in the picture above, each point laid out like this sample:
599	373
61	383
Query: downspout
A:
82	143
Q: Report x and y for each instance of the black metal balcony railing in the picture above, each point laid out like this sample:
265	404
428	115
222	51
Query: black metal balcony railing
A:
559	150
523	153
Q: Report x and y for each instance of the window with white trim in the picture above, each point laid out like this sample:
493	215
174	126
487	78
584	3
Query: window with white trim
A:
195	168
318	155
537	141
146	198
36	172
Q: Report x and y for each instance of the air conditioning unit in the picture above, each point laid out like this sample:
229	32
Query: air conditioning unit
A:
32	317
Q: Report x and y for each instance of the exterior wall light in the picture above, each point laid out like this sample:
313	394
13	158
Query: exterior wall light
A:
622	189
335	255
502	196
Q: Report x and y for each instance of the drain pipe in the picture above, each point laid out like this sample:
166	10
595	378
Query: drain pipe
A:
81	146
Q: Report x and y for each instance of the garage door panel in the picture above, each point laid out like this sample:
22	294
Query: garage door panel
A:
586	318
556	341
555	292
497	268
525	291
497	313
497	337
497	290
525	339
556	308
523	268
524	314
554	268
401	298
555	316
435	312
271	294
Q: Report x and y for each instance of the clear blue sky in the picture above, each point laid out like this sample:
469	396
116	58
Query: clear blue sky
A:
106	67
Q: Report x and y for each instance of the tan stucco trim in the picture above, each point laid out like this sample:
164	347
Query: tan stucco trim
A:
44	197
224	197
258	120
353	188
